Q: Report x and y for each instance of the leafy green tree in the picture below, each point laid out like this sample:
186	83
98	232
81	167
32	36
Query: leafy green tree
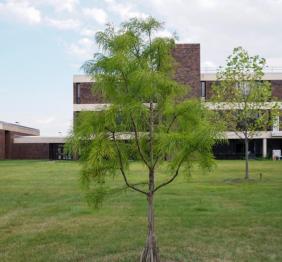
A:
146	117
243	98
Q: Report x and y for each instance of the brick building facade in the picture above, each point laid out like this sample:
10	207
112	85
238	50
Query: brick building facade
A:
199	85
10	150
17	142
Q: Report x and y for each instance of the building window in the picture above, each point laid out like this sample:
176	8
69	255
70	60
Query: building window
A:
78	93
203	89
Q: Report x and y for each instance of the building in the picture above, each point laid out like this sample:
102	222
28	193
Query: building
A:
10	150
189	72
21	142
17	142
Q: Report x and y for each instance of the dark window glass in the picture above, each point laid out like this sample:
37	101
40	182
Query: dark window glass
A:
203	89
78	93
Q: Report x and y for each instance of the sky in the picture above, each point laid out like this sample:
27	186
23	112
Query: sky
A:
43	43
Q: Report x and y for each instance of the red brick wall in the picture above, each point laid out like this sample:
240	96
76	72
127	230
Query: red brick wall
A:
187	57
30	151
2	144
187	72
9	150
277	88
86	94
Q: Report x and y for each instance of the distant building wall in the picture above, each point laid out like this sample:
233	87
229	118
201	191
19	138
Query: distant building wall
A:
30	151
277	88
23	151
9	143
83	94
10	150
188	72
2	144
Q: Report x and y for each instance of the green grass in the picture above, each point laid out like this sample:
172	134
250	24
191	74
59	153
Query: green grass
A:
205	217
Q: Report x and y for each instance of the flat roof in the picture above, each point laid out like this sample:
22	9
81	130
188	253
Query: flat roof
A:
19	128
39	139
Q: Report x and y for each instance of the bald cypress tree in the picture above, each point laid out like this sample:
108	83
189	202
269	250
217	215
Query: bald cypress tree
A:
134	74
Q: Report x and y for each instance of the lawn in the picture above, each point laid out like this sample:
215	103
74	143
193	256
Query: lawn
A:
204	217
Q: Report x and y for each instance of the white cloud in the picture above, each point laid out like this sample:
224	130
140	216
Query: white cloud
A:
209	3
87	32
46	120
125	11
20	10
66	24
164	33
58	5
64	5
219	26
82	50
97	14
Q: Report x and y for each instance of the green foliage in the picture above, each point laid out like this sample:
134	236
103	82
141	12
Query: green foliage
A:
241	88
147	117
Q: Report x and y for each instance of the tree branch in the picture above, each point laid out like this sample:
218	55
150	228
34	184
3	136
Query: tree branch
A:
172	178
167	131
122	168
137	142
135	127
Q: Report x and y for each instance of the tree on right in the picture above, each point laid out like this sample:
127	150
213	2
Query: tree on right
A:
243	99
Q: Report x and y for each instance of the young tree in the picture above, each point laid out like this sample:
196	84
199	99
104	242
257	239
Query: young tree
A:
243	97
146	115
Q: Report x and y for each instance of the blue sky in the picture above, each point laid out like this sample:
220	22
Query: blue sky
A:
44	42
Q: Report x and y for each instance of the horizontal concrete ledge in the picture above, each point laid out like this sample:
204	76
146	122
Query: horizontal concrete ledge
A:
267	76
240	135
39	140
276	134
90	107
209	105
19	129
130	135
98	107
234	106
204	77
82	79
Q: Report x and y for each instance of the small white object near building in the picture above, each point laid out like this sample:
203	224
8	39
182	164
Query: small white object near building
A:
276	154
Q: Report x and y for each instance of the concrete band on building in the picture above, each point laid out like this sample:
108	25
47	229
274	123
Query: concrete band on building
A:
25	143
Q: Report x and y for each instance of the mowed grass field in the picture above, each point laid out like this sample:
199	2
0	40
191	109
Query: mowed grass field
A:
205	217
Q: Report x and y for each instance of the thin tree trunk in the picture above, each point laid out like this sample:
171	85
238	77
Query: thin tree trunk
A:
246	157
151	251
